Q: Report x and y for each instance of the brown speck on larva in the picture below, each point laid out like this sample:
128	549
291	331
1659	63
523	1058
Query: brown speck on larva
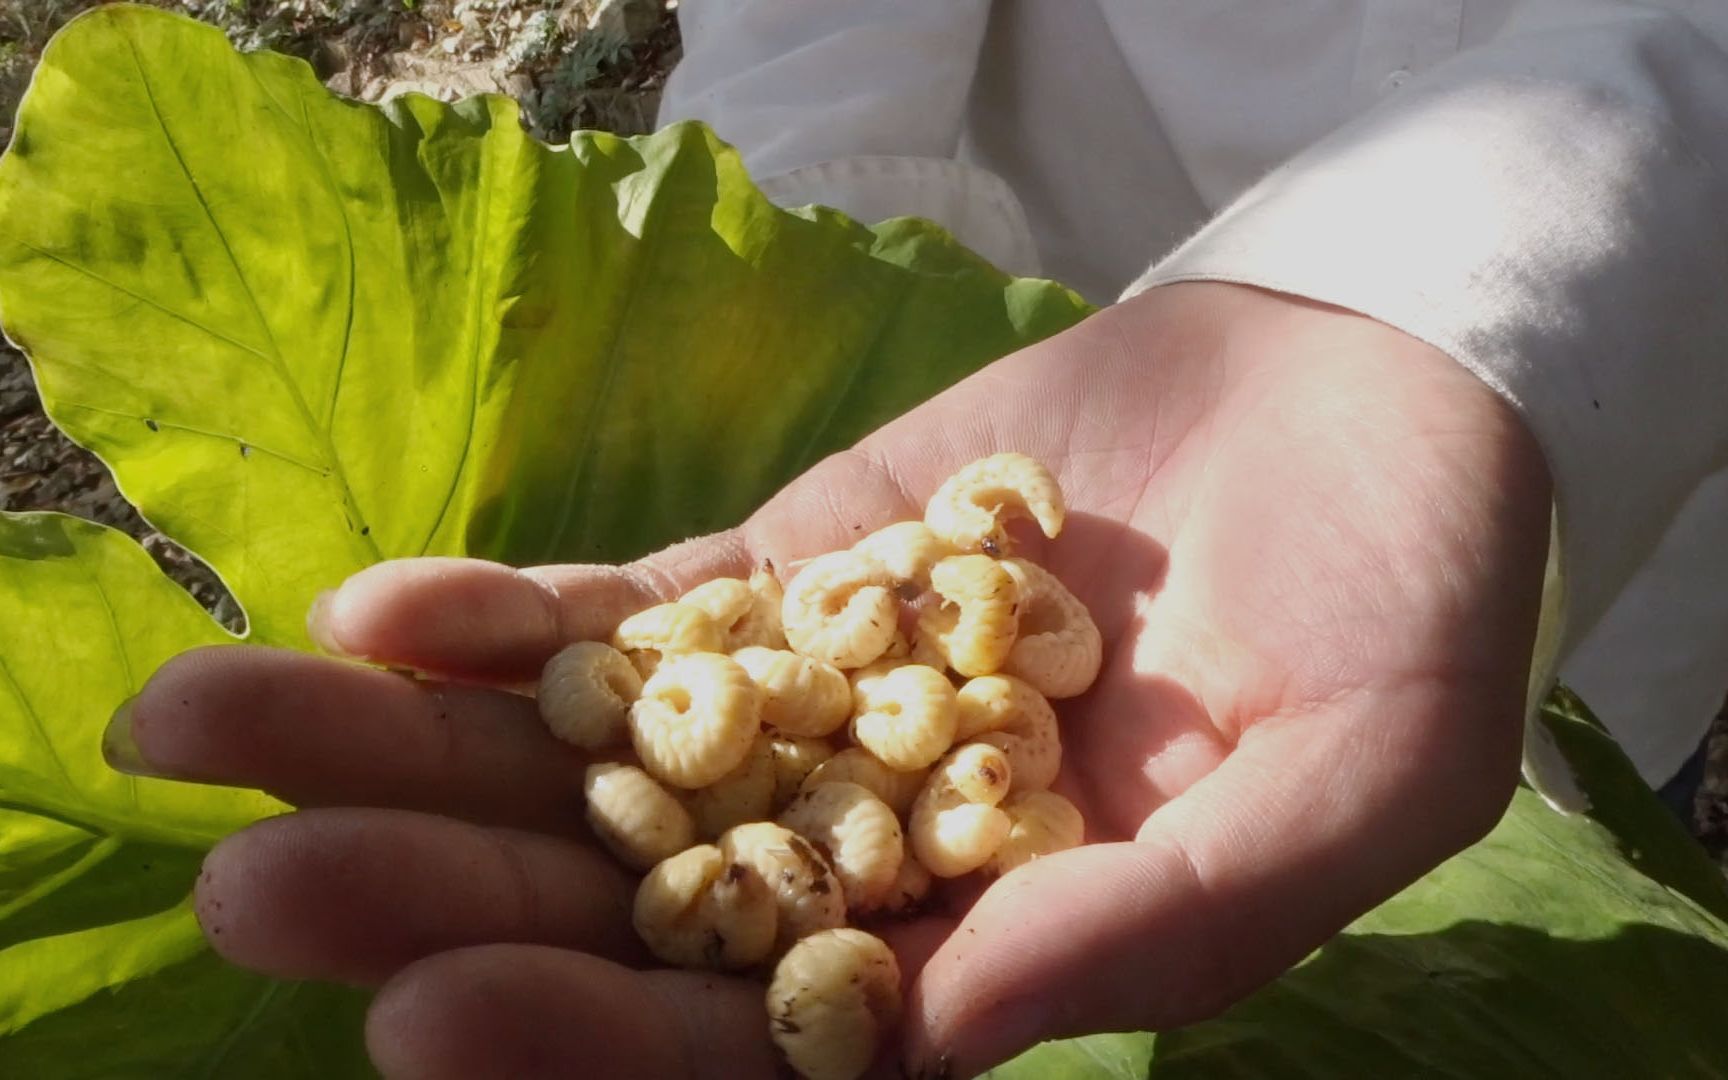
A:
804	887
971	507
955	824
840	989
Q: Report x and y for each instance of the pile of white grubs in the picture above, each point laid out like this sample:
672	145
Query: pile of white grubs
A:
777	762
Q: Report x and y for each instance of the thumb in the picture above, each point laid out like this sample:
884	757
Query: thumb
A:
1301	829
1084	941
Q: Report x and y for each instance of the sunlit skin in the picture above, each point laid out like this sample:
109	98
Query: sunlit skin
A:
1313	546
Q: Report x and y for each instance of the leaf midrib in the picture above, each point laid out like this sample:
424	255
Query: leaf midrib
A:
321	434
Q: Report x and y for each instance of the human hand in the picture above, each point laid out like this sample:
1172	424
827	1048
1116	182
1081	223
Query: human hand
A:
1312	544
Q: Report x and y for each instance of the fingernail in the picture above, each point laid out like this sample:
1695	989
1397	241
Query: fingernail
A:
119	749
318	624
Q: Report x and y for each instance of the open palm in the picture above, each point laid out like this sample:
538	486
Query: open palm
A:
1313	547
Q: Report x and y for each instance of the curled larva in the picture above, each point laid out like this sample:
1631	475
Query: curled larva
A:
744	794
806	892
904	715
800	695
969	510
724	599
696	719
908	549
955	825
795	757
639	821
1058	649
856	765
585	694
858	832
699	909
911	885
833	998
760	625
1042	823
974	625
747	612
1007	712
917	649
666	630
840	609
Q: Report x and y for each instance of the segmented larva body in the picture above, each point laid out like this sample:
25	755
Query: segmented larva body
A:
699	909
795	757
1058	649
639	821
898	788
666	630
840	609
747	612
800	695
904	715
974	626
724	599
908	549
955	824
860	834
745	794
917	649
911	885
1043	823
833	997
585	695
1007	712
806	892
971	507
696	719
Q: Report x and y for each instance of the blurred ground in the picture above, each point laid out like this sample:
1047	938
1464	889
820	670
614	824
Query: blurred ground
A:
593	64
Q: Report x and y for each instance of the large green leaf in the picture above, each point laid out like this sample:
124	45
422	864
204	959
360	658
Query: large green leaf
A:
146	999
308	334
88	618
95	867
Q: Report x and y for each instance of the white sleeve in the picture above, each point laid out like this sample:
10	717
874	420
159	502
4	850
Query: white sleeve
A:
855	104
1551	210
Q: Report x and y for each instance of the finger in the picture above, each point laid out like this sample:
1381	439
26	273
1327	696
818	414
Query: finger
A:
526	1011
479	621
354	895
486	622
1310	823
316	732
521	1011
